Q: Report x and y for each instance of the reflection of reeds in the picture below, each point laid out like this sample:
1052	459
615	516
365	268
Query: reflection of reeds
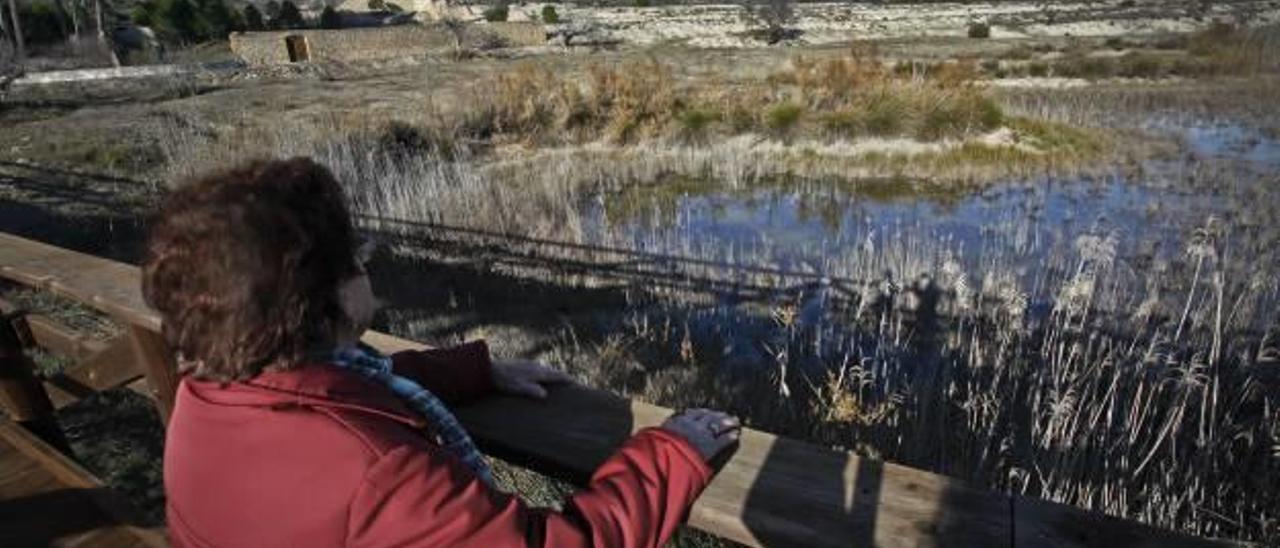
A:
1136	105
1080	405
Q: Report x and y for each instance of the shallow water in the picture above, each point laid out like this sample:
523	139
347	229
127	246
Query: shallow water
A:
798	224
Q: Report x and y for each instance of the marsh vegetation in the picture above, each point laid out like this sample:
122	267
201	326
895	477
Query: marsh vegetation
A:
1063	292
1094	331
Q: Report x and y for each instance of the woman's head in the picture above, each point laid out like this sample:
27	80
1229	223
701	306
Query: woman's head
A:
253	267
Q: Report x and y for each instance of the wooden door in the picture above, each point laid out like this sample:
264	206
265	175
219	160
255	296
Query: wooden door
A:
296	45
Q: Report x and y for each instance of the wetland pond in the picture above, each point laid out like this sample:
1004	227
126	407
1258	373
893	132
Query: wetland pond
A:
1033	235
812	225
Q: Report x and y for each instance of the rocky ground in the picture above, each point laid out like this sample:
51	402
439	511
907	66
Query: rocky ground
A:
723	25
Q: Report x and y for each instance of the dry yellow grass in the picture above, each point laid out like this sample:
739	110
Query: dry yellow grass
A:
843	98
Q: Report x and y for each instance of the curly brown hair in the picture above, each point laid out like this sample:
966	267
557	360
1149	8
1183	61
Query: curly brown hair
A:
244	266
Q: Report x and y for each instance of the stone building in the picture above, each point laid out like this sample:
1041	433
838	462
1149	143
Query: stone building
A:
304	45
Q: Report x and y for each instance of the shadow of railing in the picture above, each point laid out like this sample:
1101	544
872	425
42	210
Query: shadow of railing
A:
53	516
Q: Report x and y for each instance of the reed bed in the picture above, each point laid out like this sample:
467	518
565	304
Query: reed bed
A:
847	97
1117	372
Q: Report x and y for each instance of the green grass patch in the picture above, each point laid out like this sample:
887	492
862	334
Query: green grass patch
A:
695	122
1056	138
783	118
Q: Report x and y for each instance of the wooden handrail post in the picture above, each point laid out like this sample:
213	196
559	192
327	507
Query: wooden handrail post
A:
21	393
159	365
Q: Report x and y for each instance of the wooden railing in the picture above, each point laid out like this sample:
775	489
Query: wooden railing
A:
773	491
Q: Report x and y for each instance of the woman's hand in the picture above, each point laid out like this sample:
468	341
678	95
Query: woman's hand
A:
525	377
710	432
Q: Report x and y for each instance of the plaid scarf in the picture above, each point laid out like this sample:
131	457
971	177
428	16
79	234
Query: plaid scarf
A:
371	365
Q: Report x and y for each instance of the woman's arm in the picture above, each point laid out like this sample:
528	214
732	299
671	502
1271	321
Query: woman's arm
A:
464	373
637	498
456	374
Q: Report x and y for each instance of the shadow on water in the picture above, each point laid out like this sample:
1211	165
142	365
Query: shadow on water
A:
812	496
92	213
110	236
442	303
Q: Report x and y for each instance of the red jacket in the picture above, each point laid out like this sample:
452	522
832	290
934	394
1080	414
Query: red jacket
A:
318	456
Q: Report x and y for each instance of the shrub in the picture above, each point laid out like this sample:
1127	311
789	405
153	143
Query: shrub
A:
405	140
960	115
253	18
979	30
618	104
642	3
843	123
741	119
886	114
182	21
290	17
549	15
781	119
378	5
329	18
1019	53
41	22
1081	66
694	122
770	18
220	18
1038	70
697	119
1136	65
496	13
1212	38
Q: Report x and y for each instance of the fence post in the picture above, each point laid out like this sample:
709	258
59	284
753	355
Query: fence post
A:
21	393
159	365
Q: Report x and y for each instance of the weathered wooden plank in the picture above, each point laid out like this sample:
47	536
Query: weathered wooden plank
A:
159	366
99	364
22	395
115	364
773	491
107	285
60	340
50	500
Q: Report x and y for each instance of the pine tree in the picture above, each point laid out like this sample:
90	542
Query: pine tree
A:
329	18
185	21
290	17
253	18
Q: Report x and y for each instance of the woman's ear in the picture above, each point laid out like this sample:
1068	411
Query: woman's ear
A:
355	297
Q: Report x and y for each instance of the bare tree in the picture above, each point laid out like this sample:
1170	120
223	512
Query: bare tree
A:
104	41
20	47
10	65
457	29
69	8
4	28
770	18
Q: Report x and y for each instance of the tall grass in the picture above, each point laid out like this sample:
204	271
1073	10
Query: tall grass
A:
643	101
1073	365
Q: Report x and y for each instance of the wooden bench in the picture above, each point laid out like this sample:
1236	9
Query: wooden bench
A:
46	499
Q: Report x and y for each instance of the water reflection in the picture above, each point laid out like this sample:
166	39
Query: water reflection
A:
787	221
